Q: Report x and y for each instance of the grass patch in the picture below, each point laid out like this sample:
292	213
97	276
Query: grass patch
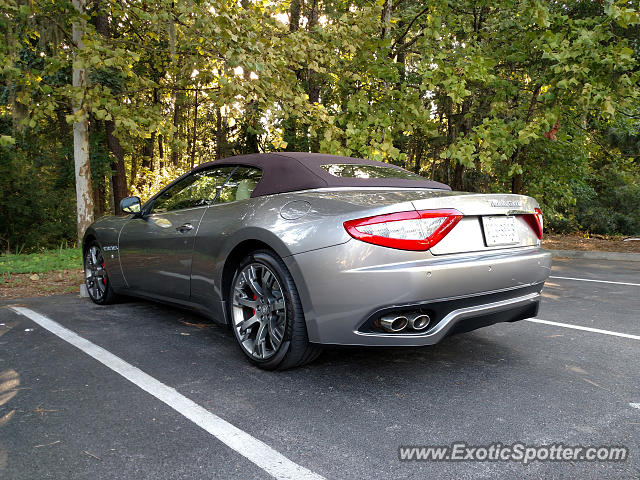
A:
41	262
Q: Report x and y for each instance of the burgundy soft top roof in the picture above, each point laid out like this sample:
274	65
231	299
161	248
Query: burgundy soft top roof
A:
294	171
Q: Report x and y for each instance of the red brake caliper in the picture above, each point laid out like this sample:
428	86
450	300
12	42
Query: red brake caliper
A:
104	279
255	297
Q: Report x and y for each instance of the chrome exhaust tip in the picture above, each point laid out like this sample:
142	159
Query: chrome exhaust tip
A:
393	323
419	322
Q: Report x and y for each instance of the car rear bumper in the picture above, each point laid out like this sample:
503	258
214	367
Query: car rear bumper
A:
346	287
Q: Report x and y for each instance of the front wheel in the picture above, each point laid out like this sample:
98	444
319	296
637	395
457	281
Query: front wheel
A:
95	276
266	314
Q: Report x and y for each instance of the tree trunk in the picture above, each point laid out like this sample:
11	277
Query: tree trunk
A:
172	34
289	125
221	138
418	159
294	15
147	152
84	197
118	175
458	177
516	184
313	80
99	197
251	138
176	123
386	18
518	156
134	171
195	130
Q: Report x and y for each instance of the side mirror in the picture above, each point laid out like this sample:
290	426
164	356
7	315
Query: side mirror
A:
130	205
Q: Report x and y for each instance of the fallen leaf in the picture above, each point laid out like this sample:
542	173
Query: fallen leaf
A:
41	410
199	325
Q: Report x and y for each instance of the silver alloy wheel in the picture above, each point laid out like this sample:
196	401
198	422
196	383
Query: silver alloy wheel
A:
258	311
95	276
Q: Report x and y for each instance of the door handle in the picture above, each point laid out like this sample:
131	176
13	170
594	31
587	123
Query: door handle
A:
184	228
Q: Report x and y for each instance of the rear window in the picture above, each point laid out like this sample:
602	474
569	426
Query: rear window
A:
346	170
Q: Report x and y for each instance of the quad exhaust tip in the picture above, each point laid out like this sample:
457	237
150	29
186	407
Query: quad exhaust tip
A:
398	323
394	323
419	322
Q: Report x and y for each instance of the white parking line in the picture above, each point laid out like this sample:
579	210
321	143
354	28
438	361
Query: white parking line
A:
260	453
586	329
597	281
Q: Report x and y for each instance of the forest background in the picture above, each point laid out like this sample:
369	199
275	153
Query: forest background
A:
524	96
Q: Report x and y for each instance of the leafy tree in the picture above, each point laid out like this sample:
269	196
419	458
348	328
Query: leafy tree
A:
526	96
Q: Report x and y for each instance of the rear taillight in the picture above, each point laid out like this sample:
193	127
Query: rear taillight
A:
535	222
417	230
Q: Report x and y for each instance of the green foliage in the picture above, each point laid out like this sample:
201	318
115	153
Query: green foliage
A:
41	262
528	96
614	203
36	192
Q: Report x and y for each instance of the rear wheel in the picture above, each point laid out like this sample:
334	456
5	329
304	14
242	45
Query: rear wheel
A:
95	276
266	314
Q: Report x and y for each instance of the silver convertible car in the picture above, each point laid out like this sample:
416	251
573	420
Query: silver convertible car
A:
296	250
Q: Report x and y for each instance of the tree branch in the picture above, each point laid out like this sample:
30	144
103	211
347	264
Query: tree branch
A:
406	30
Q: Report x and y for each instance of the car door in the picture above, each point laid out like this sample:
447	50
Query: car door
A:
156	247
222	219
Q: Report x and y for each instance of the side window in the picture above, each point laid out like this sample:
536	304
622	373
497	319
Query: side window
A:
240	185
196	190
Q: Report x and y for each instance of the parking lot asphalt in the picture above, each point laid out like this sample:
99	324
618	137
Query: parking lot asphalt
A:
63	414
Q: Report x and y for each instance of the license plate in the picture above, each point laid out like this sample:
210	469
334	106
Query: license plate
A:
500	230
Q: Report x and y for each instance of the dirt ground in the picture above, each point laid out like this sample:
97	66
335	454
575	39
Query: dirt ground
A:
592	243
23	285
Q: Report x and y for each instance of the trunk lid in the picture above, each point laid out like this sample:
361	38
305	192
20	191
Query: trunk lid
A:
490	222
485	215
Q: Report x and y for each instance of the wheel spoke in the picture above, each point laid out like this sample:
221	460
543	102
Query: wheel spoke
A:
278	305
244	325
259	347
244	335
244	302
275	335
252	280
101	287
94	287
267	280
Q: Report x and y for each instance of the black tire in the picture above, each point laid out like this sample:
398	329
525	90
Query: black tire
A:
96	277
294	349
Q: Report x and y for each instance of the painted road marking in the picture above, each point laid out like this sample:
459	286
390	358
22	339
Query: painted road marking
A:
265	457
586	329
597	281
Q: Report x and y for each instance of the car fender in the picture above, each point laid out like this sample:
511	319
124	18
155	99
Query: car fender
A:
106	231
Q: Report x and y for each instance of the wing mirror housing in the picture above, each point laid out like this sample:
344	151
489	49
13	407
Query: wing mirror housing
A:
130	205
